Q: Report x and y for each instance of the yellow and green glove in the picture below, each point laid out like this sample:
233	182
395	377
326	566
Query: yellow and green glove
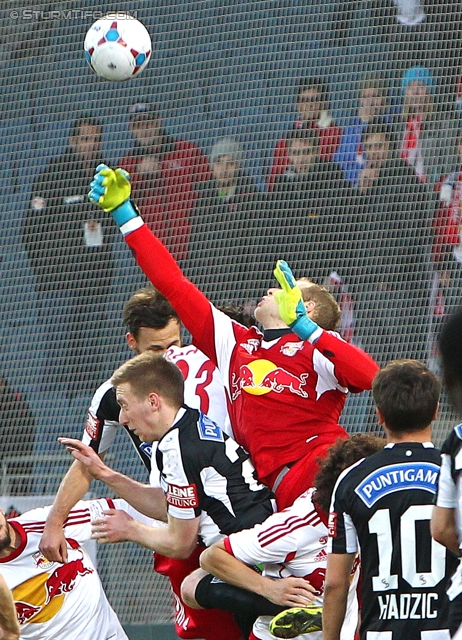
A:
290	302
111	191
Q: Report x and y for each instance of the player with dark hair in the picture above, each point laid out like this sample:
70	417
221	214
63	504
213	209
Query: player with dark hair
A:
446	518
382	507
291	546
152	325
286	386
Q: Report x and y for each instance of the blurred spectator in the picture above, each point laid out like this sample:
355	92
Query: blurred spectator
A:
306	208
410	12
163	171
222	226
69	244
17	425
372	104
447	227
386	250
428	142
312	101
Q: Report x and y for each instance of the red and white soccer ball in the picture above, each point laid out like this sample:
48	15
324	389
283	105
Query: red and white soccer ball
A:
117	47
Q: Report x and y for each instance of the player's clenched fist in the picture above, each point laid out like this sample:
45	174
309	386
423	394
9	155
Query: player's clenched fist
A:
110	190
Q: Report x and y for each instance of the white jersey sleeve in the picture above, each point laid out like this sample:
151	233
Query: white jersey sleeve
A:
100	427
204	388
290	542
447	490
293	543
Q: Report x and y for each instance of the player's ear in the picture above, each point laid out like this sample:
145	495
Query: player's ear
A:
436	412
131	340
310	305
154	400
380	418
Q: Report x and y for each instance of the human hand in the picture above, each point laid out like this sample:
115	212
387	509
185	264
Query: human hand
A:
53	543
110	187
114	527
87	456
290	302
290	592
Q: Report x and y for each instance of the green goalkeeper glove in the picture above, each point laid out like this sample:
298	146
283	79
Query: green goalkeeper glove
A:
111	191
290	302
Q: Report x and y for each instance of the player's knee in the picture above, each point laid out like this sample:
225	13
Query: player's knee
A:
188	588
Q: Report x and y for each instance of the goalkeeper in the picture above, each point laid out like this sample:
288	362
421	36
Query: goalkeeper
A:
286	385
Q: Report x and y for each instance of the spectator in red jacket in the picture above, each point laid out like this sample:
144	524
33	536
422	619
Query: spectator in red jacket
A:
312	103
163	173
447	234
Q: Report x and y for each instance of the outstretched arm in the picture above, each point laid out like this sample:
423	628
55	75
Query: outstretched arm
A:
73	488
111	190
177	540
290	592
148	500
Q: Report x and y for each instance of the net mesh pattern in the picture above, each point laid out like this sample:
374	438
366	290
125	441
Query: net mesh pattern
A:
369	208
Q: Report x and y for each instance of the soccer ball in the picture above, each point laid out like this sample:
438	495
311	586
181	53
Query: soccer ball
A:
117	47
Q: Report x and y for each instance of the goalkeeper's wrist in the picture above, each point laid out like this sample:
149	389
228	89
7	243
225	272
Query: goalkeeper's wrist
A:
306	329
124	213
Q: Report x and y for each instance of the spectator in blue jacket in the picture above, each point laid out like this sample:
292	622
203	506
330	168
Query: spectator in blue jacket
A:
372	105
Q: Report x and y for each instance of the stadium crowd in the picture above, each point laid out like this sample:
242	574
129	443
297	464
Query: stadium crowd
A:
241	431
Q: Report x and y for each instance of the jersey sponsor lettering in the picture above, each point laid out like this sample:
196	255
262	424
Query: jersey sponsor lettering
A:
332	525
397	477
182	497
408	606
146	447
92	426
208	430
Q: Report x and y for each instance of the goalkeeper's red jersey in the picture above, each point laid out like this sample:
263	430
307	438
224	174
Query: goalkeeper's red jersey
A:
285	395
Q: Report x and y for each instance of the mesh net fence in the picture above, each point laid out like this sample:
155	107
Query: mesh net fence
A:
326	134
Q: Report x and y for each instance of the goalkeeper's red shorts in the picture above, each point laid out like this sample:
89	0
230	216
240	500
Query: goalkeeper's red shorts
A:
208	624
299	476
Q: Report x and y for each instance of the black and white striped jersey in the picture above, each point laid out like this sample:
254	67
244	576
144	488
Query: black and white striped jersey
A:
206	474
382	507
449	494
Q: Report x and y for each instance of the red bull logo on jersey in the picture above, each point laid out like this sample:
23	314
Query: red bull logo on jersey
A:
26	611
41	597
182	497
292	348
262	376
62	580
41	561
